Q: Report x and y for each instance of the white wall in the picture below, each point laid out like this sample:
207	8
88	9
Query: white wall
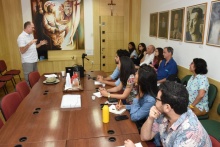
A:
88	21
183	52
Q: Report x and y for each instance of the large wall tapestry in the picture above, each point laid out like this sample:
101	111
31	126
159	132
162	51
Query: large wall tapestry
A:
60	22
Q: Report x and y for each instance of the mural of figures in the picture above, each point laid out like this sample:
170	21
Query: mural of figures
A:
60	22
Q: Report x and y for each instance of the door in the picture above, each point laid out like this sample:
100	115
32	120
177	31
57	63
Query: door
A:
111	39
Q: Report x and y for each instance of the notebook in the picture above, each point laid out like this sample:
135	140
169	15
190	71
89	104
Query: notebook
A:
113	109
97	83
71	101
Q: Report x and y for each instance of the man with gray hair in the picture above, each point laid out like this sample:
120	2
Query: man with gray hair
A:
148	55
167	67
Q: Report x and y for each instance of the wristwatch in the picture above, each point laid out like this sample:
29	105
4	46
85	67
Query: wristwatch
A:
109	95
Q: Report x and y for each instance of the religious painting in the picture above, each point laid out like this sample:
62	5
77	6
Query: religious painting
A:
213	37
176	24
195	23
153	24
60	22
163	24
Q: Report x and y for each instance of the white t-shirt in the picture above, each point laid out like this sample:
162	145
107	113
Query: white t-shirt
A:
30	56
148	59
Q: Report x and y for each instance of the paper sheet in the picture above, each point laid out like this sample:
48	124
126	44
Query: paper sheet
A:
136	144
97	94
71	101
97	83
113	109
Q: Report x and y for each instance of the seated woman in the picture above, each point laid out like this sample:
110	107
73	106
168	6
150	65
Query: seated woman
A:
198	86
127	72
141	48
146	81
132	51
157	58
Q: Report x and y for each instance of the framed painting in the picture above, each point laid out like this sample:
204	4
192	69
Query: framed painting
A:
153	24
176	24
213	35
163	24
60	22
195	23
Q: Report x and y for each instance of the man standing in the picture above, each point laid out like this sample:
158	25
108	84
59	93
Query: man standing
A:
167	67
27	47
173	120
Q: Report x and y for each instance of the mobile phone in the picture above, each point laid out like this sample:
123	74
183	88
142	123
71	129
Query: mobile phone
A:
112	100
121	117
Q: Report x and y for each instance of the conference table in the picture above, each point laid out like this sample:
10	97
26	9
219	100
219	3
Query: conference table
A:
39	121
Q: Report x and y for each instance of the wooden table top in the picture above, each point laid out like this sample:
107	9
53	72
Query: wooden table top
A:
41	121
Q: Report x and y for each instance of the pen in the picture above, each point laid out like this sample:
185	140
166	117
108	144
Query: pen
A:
119	103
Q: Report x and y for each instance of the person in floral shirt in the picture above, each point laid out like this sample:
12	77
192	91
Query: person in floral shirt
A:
176	124
198	86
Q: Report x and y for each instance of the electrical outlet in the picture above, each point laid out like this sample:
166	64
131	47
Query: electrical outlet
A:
92	62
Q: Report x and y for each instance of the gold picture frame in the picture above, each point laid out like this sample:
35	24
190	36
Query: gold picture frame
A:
195	23
213	36
163	24
153	30
177	24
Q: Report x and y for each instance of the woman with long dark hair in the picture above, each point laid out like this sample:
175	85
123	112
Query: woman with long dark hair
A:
141	49
146	82
158	58
132	51
127	72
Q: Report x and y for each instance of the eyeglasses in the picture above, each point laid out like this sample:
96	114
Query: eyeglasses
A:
157	99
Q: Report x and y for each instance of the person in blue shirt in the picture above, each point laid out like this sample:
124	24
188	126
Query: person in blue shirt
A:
167	67
146	81
116	72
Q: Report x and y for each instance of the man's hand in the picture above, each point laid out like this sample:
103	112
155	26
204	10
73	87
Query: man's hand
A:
32	42
154	113
43	42
129	143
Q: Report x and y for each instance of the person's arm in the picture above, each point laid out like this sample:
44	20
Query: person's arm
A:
199	97
25	48
162	80
146	130
138	111
124	95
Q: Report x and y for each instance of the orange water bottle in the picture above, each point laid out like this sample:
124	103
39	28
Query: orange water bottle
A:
105	114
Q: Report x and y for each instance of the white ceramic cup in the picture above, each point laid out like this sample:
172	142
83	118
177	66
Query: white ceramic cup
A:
63	73
93	97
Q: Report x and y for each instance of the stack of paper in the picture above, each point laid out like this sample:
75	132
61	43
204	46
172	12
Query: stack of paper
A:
97	94
71	101
113	109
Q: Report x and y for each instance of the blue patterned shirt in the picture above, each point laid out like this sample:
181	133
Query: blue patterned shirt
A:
187	131
199	82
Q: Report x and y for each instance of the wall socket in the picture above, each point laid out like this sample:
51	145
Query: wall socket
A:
92	62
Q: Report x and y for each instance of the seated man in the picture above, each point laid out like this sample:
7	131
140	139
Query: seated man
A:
148	56
167	67
173	120
116	72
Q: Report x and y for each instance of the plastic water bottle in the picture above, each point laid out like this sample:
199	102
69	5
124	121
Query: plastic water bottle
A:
105	114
